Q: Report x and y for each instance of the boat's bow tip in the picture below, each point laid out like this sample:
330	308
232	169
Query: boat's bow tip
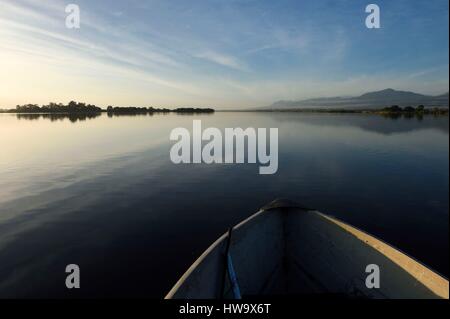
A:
283	203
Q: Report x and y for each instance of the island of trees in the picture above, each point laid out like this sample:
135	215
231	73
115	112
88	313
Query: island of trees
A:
79	108
71	107
420	110
150	110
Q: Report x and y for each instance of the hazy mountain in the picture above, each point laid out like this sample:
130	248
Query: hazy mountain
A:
390	94
376	99
443	96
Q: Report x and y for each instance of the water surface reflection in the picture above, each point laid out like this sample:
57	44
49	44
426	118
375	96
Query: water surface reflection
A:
103	193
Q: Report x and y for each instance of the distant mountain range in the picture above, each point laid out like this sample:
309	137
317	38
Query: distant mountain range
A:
378	99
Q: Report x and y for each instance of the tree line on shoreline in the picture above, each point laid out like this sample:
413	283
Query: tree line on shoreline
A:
80	108
150	110
390	110
77	107
411	110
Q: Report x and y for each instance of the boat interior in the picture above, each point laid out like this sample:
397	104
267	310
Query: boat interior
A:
287	250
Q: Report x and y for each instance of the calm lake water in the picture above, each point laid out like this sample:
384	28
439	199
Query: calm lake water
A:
102	193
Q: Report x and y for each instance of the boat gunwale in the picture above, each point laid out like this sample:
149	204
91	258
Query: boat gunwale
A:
335	219
341	224
205	253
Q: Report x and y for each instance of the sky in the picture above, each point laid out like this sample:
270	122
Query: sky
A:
217	53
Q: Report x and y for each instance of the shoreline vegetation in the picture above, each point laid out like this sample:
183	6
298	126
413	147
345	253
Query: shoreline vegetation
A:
391	111
89	109
83	108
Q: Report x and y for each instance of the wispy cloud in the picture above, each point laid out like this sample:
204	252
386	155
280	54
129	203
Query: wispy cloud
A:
222	59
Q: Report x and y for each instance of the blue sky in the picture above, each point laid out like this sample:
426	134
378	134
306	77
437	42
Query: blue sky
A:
225	54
